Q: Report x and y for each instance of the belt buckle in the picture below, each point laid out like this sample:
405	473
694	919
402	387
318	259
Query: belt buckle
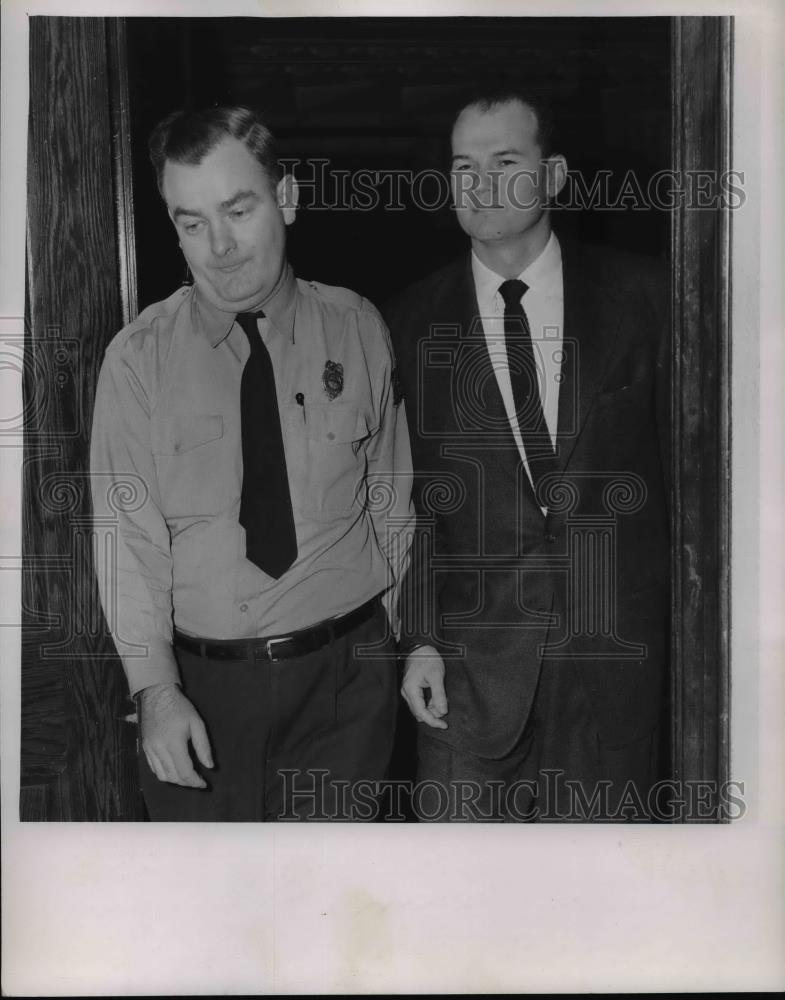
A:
269	643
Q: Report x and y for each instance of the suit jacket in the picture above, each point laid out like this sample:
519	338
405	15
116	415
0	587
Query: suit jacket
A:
499	588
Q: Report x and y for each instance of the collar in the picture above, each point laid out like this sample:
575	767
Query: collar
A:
279	307
542	274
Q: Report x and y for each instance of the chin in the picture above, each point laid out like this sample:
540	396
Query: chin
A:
488	234
483	228
493	234
234	291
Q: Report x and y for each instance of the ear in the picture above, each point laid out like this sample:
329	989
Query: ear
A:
287	195
556	168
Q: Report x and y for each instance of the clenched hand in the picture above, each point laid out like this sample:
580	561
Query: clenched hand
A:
425	669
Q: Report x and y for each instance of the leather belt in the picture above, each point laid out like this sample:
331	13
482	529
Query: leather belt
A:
278	647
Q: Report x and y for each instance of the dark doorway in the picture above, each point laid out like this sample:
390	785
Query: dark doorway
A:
359	96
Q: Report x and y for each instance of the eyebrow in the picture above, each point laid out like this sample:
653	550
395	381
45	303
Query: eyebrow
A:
499	152
223	206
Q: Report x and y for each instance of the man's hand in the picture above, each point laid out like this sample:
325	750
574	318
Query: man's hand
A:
425	669
168	721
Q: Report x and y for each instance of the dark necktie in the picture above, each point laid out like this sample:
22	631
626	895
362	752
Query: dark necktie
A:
525	388
266	504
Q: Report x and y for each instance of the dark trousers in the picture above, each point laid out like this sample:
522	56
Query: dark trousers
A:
291	739
560	770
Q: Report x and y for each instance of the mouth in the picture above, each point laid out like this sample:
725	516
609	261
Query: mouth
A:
230	268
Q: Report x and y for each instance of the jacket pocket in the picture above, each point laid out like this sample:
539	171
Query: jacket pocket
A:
631	391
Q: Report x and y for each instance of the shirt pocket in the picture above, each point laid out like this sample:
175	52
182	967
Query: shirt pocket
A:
325	459
192	464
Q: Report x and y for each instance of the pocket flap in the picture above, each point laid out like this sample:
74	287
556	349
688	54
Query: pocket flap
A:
335	424
179	434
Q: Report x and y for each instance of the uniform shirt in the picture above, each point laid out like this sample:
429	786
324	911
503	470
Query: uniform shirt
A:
544	305
166	469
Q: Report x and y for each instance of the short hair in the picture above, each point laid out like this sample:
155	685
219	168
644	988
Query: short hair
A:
488	98
188	136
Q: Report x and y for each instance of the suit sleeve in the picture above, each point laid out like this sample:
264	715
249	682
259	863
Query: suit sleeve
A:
418	596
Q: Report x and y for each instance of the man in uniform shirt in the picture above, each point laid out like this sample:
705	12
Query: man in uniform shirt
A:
254	420
536	609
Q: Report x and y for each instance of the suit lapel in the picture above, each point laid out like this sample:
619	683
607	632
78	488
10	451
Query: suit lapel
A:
473	371
591	322
476	396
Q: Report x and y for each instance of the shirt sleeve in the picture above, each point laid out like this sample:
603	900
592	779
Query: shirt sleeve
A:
131	540
390	481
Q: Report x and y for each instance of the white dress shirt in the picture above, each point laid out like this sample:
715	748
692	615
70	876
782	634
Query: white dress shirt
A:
544	305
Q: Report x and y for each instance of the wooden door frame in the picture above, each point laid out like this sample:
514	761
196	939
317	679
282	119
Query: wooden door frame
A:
701	88
77	754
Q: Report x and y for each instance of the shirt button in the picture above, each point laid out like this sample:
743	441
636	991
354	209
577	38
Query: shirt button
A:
243	607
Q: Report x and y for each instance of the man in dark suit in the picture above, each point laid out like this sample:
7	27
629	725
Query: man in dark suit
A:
536	608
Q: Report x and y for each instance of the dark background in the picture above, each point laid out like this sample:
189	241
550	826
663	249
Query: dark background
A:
379	94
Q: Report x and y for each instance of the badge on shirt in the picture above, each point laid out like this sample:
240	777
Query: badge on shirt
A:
332	379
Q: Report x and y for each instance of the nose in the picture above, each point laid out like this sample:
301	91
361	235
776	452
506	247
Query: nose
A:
466	185
488	181
222	241
475	188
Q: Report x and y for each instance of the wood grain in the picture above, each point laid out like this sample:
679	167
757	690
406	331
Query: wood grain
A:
74	692
701	408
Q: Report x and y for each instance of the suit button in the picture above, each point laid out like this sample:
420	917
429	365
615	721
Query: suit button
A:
550	538
243	607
